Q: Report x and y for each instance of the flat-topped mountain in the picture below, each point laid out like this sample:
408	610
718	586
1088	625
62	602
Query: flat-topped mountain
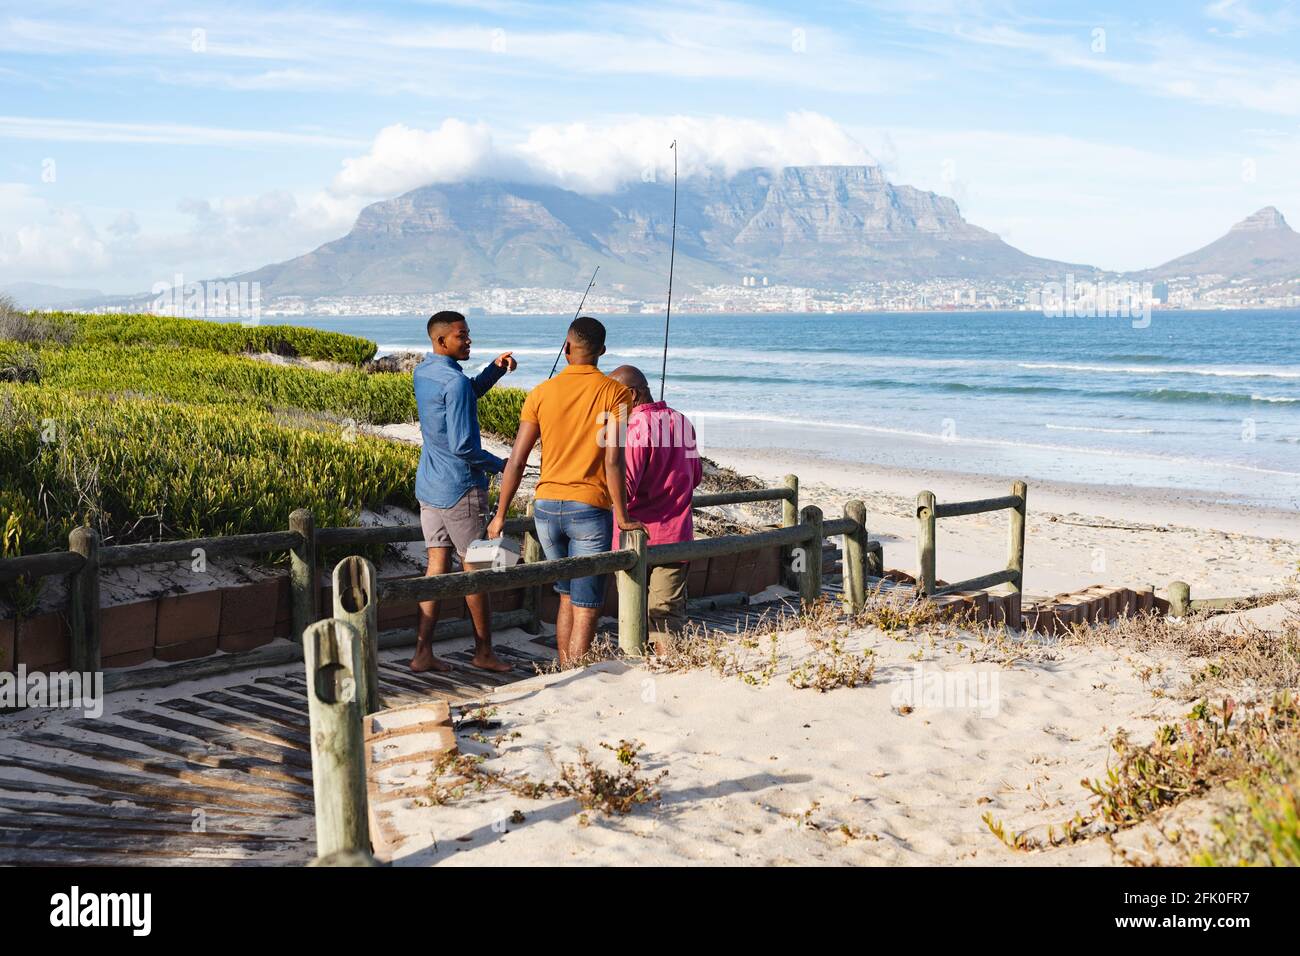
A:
1261	246
819	226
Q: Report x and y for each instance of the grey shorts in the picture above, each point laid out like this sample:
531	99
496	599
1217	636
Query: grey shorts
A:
457	526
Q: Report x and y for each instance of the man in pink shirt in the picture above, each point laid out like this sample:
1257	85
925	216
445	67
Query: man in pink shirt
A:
663	470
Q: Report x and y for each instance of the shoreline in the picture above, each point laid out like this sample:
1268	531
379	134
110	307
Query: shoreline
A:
1077	535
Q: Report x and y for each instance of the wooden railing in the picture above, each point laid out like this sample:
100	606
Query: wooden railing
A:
302	540
928	511
633	559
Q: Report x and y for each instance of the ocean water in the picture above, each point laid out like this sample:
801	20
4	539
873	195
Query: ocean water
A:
1206	403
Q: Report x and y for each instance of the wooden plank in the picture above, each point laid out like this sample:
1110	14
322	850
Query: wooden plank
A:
716	547
270	655
280	698
136	844
182	770
58	856
446	682
14	822
150	787
255	708
100	798
955	509
63	809
266	730
49	564
154	552
461	583
272	753
197	753
289	683
485	678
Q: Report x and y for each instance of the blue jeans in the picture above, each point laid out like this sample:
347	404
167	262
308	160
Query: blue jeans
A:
569	529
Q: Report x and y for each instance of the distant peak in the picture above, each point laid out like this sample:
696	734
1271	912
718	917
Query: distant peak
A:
1270	217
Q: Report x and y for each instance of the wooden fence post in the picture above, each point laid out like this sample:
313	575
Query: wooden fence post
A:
855	557
304	587
810	580
925	542
83	602
633	628
1180	599
338	766
789	518
875	559
356	601
533	595
1016	546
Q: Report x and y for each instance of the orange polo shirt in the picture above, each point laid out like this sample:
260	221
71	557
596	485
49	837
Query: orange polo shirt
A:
571	410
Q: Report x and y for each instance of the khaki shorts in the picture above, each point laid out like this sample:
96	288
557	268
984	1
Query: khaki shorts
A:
666	605
457	526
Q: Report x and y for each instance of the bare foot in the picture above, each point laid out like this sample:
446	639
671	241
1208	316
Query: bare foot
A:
485	660
425	661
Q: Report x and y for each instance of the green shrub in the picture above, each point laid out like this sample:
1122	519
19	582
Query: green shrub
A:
144	468
209	378
231	337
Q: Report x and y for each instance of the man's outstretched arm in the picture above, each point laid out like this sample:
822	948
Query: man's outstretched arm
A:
492	372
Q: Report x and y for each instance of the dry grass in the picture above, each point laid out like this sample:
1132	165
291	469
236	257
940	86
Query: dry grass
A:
593	787
33	327
1249	659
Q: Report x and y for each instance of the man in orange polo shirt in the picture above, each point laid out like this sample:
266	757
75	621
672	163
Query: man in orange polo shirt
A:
582	488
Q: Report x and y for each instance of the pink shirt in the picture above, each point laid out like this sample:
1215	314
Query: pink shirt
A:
663	469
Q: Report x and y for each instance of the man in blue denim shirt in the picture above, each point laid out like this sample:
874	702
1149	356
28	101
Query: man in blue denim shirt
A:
452	480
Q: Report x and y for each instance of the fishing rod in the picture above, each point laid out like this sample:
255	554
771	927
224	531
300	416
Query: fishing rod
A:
672	255
575	318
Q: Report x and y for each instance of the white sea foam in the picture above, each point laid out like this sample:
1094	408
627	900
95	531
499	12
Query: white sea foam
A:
1106	431
1268	371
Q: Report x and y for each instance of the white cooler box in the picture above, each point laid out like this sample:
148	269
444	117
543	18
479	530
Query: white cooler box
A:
502	552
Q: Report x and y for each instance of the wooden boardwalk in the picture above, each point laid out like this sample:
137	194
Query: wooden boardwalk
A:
218	776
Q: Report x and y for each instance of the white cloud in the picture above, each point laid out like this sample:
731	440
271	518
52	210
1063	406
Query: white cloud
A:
402	158
52	241
593	158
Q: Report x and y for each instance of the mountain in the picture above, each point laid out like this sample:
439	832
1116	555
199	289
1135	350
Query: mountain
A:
34	295
821	226
1260	247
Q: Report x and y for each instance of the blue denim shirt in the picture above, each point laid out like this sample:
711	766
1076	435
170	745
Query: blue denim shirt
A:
453	460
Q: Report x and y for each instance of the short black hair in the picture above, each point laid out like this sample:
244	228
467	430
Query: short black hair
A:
589	333
445	317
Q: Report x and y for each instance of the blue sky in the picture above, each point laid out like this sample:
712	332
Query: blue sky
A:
140	140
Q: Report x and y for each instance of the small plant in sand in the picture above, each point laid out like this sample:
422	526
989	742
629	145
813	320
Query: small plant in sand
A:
595	788
832	666
1262	830
477	715
752	655
602	649
893	614
1212	747
456	775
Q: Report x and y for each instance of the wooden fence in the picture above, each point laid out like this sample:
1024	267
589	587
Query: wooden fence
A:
85	558
929	511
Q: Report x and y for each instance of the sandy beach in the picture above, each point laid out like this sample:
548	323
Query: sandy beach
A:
900	771
1076	535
